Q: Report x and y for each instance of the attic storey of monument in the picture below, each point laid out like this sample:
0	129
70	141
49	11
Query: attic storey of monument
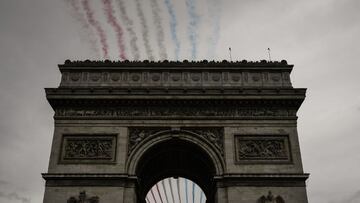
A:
120	127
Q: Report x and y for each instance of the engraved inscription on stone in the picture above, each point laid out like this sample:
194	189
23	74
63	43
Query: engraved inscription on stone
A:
88	148
262	148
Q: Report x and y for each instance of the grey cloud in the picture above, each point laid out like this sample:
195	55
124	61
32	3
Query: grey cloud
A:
3	182
354	198
14	196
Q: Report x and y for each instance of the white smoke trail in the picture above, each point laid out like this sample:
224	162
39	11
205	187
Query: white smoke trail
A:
160	37
144	30
88	33
214	10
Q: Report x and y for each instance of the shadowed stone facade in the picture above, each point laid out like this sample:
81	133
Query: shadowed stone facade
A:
120	127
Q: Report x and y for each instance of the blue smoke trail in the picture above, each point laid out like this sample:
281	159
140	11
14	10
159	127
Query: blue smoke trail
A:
186	190
156	11
194	21
214	10
173	27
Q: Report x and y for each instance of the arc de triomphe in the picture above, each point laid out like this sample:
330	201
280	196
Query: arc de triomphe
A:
120	127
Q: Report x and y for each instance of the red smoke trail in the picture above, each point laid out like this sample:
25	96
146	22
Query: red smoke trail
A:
118	29
96	25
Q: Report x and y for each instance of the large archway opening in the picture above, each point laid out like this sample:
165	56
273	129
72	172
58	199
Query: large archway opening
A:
175	158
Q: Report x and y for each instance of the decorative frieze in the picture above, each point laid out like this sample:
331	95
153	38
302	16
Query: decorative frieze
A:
178	78
88	149
214	135
254	149
169	112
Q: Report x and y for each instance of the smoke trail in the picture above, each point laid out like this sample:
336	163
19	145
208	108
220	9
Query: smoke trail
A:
193	192
79	16
173	27
178	188
166	196
214	10
152	194
159	28
201	197
194	21
144	30
171	189
98	28
129	27
157	188
109	11
186	190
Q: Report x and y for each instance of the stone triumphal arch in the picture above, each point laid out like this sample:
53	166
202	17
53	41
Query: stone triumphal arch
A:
120	127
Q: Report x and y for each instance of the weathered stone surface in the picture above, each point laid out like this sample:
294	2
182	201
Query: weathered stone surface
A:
229	126
175	74
256	149
88	149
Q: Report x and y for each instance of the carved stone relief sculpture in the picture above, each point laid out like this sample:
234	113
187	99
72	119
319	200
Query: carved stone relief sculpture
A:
270	198
83	199
262	148
88	148
214	135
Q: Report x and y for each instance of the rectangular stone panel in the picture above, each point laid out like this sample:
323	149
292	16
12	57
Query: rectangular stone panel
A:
84	148
262	149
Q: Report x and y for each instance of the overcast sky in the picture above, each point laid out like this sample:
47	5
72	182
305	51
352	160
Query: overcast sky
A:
320	37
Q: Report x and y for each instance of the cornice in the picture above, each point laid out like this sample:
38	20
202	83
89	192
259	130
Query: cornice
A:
88	179
168	91
225	180
263	180
173	64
